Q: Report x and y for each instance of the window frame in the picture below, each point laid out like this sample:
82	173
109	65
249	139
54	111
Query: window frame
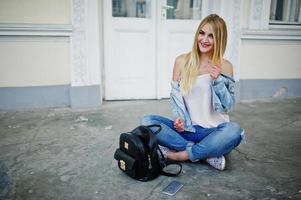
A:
259	26
287	5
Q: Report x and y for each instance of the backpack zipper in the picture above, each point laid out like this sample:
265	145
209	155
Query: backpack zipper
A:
149	162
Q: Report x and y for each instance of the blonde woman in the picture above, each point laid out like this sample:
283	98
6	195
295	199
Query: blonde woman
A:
202	95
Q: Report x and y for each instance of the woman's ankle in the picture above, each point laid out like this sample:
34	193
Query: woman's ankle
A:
177	156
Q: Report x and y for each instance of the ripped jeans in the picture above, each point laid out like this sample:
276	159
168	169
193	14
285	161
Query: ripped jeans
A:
204	143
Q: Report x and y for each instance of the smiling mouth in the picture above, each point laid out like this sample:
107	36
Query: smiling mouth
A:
204	45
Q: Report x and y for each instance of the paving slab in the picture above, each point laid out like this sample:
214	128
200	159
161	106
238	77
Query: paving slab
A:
65	153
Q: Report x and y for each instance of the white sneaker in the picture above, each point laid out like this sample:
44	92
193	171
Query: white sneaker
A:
217	162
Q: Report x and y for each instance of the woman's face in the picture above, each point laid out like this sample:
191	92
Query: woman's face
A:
205	39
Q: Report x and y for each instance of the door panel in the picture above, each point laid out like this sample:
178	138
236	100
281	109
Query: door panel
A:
134	74
129	40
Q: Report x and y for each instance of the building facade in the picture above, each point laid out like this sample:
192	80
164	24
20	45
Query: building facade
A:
59	53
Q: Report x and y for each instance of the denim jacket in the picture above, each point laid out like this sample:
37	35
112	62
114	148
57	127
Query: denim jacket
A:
223	99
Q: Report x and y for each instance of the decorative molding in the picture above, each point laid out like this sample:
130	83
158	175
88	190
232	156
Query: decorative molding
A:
85	44
235	36
272	34
34	38
259	14
35	30
207	7
231	12
260	29
255	14
78	43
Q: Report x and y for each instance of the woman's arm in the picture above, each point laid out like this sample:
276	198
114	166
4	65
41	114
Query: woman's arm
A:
182	120
178	123
223	89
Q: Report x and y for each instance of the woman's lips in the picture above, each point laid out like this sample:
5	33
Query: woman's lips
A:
205	45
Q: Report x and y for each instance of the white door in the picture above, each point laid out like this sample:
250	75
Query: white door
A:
129	49
141	40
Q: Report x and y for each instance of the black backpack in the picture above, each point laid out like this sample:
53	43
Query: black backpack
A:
137	154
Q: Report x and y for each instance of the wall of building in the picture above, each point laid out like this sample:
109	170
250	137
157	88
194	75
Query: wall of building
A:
35	11
269	55
34	61
270	59
269	69
34	55
51	52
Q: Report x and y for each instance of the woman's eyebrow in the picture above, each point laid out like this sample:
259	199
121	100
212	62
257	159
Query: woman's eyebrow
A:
209	33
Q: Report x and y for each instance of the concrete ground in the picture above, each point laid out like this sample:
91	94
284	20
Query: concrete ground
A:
68	154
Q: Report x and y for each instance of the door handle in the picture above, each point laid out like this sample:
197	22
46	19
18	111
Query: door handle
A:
166	7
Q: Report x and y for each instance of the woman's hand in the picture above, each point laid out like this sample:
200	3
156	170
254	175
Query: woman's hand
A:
215	72
179	125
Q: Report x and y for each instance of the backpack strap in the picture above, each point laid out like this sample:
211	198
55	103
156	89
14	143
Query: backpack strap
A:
164	163
169	173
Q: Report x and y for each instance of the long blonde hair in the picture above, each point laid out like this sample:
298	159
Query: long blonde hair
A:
189	71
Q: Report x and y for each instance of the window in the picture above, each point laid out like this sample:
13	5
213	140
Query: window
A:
131	8
184	9
273	20
286	12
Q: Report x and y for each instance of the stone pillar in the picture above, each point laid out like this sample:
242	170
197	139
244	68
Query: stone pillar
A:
85	90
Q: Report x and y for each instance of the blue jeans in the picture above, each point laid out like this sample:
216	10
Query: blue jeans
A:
204	143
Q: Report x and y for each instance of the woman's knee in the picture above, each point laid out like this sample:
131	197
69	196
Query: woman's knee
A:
233	129
148	120
237	132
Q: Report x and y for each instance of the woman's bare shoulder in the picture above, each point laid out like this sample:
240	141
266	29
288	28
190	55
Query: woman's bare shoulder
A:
180	59
179	62
227	67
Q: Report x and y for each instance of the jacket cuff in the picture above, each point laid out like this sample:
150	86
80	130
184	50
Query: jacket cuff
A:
190	154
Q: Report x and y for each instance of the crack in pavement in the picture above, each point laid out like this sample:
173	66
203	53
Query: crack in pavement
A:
245	155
